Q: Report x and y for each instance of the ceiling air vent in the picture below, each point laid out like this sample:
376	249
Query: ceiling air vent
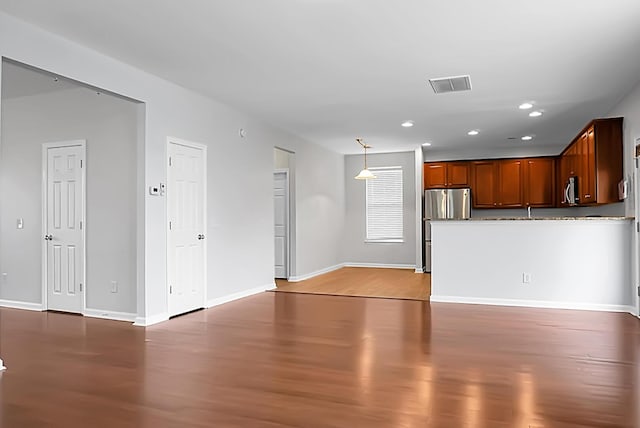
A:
451	84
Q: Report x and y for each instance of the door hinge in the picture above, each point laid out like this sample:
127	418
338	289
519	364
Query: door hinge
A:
638	227
169	160
169	225
80	287
80	225
638	290
171	289
80	163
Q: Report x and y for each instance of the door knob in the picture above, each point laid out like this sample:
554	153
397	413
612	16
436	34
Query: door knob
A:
200	236
48	237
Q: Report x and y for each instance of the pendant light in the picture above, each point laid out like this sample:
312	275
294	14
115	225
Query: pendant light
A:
365	174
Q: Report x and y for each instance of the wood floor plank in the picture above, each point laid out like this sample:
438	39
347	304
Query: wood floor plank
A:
299	360
364	282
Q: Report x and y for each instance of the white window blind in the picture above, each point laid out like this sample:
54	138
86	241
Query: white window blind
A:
384	205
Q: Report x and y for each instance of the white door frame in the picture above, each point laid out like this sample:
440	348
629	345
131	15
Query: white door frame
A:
203	147
288	211
45	148
635	265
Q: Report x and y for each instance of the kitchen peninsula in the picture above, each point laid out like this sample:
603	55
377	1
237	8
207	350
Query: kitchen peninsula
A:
563	262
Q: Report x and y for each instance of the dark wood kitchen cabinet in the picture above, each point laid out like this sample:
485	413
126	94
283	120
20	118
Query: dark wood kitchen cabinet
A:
539	182
438	175
497	183
483	189
595	158
510	180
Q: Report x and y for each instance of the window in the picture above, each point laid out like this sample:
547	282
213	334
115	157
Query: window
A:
384	205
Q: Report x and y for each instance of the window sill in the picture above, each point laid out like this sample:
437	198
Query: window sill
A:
384	241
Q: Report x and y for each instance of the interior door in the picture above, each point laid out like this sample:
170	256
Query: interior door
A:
281	223
64	238
186	235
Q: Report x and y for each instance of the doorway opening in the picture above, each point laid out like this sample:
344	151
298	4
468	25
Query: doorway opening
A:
284	213
70	212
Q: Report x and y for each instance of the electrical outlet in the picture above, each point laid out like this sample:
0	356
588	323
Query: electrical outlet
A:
114	286
526	278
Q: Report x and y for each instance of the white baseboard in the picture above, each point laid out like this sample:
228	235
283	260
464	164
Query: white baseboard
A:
316	273
239	295
379	265
21	305
532	303
153	319
110	315
421	270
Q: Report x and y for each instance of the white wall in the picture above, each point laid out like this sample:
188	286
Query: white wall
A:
109	125
317	178
281	158
573	263
240	201
354	247
629	108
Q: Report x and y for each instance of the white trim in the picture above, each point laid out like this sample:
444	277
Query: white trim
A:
2	367
316	273
239	295
109	315
197	146
153	319
532	303
43	260
22	305
379	265
419	182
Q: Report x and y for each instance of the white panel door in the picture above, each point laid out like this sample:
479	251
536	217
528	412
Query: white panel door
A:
64	210
186	238
281	223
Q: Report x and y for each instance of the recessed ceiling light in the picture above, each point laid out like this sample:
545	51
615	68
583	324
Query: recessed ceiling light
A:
525	106
526	138
536	113
407	123
473	132
426	144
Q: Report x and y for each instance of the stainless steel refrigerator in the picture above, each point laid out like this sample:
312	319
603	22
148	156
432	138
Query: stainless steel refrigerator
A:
443	204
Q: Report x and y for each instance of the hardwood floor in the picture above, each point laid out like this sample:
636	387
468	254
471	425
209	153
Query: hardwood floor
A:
365	282
298	360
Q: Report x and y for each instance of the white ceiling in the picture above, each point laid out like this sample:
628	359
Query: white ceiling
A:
333	70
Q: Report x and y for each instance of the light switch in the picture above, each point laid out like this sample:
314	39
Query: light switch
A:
19	223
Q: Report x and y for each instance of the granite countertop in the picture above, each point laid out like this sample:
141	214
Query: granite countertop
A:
538	218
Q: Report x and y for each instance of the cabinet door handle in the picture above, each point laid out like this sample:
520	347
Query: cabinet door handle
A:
587	196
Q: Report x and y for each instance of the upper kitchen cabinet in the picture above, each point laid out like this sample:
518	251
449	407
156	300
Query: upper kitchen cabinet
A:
510	181
497	183
595	158
539	182
438	175
483	189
